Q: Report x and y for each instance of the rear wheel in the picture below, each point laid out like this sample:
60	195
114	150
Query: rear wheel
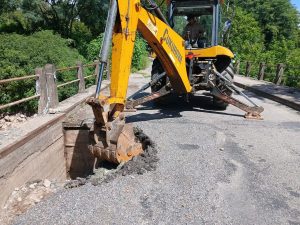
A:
229	74
157	69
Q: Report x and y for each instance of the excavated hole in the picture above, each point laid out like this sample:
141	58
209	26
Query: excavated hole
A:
80	169
106	172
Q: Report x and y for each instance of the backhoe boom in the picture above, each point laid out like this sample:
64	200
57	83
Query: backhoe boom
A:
111	138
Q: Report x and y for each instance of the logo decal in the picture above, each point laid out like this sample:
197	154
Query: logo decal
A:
152	27
172	46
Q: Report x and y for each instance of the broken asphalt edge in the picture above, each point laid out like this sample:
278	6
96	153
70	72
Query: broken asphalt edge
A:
271	96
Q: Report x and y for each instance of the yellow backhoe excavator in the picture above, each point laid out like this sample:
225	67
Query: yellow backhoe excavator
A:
183	66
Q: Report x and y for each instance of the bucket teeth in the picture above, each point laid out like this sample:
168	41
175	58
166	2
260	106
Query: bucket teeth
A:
121	149
127	146
111	139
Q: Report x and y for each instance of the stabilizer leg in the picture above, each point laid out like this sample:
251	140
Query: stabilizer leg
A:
252	112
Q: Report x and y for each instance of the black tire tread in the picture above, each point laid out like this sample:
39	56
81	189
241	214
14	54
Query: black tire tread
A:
229	74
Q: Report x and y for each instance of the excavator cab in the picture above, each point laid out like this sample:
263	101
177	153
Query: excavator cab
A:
207	14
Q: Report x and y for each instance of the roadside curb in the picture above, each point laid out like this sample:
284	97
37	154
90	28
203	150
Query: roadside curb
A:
271	96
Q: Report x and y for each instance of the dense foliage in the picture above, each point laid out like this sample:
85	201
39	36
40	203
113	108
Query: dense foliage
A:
19	55
140	53
61	32
266	31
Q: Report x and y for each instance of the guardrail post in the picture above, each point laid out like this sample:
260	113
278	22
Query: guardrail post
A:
97	68
41	89
50	73
108	70
261	73
237	67
81	85
279	73
248	69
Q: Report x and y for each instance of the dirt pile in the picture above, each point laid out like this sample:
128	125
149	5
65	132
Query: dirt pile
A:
106	172
7	121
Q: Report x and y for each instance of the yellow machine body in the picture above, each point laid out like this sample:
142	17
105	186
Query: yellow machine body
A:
113	139
168	46
212	52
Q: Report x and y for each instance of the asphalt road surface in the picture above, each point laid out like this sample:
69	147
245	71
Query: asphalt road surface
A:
215	167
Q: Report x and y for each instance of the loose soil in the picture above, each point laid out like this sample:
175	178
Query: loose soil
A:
107	172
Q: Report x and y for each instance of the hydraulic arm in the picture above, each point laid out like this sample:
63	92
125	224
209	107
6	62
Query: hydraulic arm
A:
125	18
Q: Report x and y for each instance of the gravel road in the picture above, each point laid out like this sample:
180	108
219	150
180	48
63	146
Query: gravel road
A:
214	167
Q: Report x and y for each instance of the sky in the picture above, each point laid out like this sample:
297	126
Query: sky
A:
296	3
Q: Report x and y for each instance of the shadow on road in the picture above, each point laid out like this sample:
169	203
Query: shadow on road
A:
172	106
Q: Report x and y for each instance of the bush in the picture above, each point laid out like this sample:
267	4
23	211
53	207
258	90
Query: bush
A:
246	38
93	48
21	54
82	36
139	58
292	72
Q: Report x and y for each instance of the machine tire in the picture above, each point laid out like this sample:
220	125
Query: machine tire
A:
229	74
157	69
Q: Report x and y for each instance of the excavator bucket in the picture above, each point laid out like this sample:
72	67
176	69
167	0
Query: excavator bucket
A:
111	139
127	146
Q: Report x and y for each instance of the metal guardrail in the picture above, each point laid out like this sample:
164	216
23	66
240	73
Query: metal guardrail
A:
18	102
17	79
47	87
275	73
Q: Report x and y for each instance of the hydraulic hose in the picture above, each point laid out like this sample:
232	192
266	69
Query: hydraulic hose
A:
103	55
157	11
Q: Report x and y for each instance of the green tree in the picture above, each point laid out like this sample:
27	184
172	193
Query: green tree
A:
20	17
93	14
9	5
277	18
266	31
292	72
140	53
246	38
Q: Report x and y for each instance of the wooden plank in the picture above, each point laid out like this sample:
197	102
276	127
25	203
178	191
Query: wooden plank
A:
261	73
237	67
36	144
80	76
79	160
279	74
50	74
42	83
248	69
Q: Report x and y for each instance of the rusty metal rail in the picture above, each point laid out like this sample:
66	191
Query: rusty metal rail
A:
67	68
89	65
276	73
46	86
87	77
18	102
17	79
67	83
